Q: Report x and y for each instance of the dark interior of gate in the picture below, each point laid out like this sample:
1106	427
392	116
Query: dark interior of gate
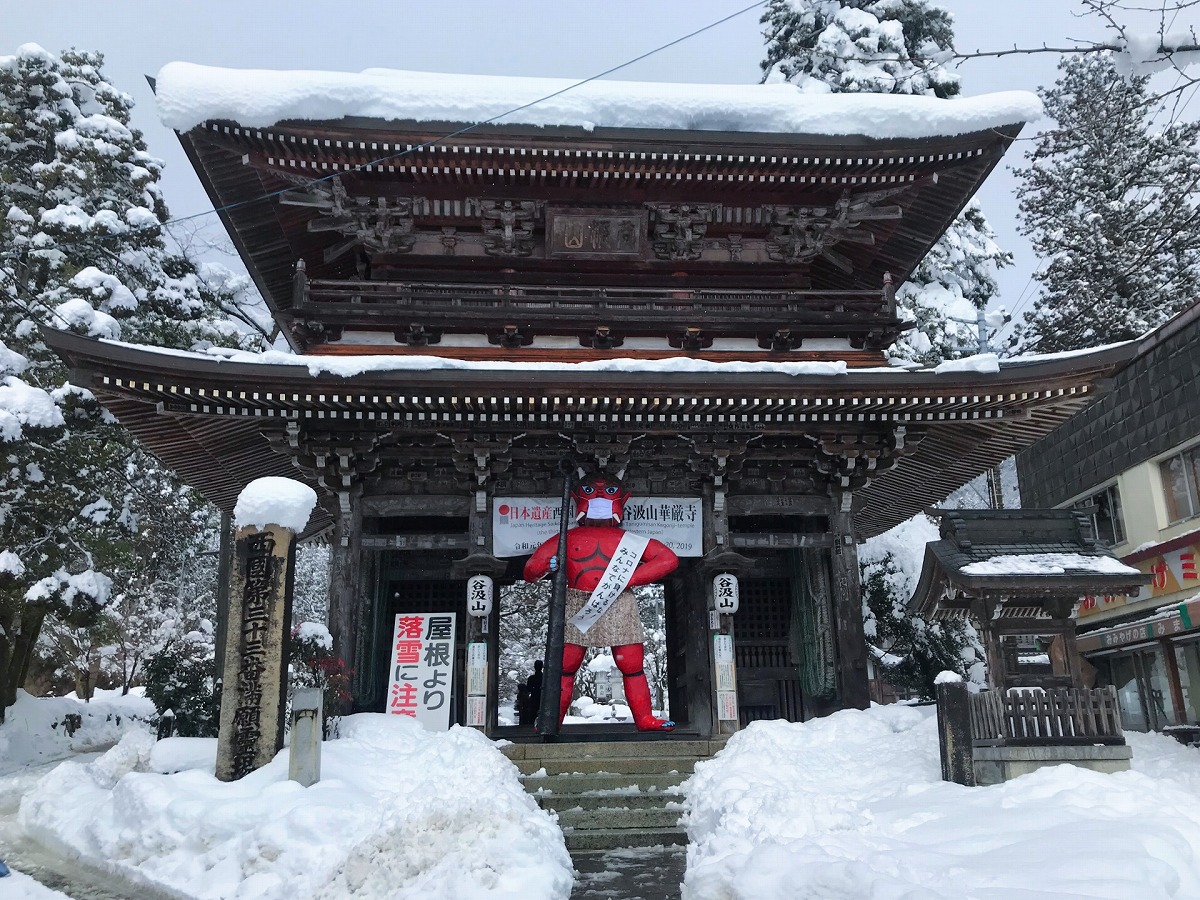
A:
783	632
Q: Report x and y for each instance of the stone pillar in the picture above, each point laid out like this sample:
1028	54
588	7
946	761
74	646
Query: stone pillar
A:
954	733
853	692
260	607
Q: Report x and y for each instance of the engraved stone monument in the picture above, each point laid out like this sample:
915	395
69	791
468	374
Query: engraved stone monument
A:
269	513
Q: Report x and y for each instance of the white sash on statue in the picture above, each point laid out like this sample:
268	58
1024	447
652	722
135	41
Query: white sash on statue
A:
614	580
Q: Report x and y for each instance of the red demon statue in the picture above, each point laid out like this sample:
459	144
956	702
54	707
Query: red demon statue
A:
603	562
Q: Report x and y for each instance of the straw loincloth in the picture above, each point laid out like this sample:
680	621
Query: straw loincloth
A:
619	625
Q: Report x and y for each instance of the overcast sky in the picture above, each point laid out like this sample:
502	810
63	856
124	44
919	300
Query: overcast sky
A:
563	38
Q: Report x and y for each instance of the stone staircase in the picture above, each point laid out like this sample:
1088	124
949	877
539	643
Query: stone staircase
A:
612	794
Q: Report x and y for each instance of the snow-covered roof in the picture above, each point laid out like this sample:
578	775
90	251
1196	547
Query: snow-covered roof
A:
190	94
1048	564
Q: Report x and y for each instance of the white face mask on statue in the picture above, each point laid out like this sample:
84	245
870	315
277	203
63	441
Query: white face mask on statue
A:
599	508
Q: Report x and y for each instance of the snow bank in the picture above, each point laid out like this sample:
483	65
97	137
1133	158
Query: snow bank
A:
21	887
274	501
36	729
852	806
400	812
189	94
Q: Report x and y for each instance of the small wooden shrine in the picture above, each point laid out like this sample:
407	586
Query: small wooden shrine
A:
1018	574
705	307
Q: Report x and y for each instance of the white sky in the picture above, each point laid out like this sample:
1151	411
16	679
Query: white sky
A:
518	37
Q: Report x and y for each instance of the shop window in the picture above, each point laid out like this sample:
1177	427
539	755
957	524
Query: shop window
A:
1143	692
1187	656
1107	521
1181	484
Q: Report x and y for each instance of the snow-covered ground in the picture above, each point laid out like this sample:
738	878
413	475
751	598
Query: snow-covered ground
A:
399	812
843	808
852	806
37	730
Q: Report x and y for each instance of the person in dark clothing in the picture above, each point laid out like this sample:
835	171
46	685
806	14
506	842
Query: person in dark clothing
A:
533	685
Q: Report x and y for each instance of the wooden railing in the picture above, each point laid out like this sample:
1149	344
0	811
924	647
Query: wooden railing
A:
631	309
1019	718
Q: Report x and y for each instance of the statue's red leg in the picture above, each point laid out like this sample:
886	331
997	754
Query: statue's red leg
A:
629	659
572	660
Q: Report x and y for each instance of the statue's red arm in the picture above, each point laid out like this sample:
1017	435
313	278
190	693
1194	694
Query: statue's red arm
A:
658	561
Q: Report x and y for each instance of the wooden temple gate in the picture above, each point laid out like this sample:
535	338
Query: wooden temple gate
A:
707	310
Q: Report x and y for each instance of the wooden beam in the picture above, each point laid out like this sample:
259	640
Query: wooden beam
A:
778	505
847	608
416	542
415	505
776	540
345	583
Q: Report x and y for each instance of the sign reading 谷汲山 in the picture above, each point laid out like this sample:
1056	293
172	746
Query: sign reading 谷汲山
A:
522	524
422	668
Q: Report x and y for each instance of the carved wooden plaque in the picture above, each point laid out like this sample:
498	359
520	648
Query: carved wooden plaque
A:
583	233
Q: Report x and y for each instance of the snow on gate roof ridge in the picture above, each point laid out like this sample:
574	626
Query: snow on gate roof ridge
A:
189	94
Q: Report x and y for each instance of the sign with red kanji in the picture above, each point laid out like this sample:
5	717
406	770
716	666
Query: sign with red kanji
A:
422	669
521	524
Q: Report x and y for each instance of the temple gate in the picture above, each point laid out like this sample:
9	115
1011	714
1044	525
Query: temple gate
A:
706	310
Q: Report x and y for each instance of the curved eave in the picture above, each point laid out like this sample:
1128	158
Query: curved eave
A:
211	418
92	355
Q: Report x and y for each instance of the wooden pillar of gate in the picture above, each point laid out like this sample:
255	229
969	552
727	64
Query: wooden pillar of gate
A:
853	691
347	597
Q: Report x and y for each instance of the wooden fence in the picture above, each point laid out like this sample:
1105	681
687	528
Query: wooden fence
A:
1031	717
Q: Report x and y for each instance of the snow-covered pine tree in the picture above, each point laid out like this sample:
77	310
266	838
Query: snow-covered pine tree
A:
81	247
909	651
1109	198
895	47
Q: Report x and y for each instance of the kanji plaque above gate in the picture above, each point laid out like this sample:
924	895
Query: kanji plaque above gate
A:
595	233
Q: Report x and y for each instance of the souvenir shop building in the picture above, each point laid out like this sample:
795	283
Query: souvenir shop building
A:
1132	460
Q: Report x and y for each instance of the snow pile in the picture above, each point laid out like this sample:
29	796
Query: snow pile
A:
21	887
589	712
1048	564
400	812
852	806
274	501
39	729
189	94
315	632
23	404
982	363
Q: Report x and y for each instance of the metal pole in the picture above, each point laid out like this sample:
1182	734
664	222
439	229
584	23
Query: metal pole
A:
547	720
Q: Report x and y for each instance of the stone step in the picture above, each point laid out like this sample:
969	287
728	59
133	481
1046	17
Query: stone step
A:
612	819
700	749
578	784
619	838
624	765
611	800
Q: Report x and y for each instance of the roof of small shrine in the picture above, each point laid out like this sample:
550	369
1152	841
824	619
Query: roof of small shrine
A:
1018	554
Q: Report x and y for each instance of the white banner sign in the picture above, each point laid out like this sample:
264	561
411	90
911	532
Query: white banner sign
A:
614	580
522	524
422	663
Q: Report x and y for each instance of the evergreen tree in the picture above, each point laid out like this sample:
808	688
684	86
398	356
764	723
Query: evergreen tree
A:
81	247
1108	198
860	46
895	47
910	651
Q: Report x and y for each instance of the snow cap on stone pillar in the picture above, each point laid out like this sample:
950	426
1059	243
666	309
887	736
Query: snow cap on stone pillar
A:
274	501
